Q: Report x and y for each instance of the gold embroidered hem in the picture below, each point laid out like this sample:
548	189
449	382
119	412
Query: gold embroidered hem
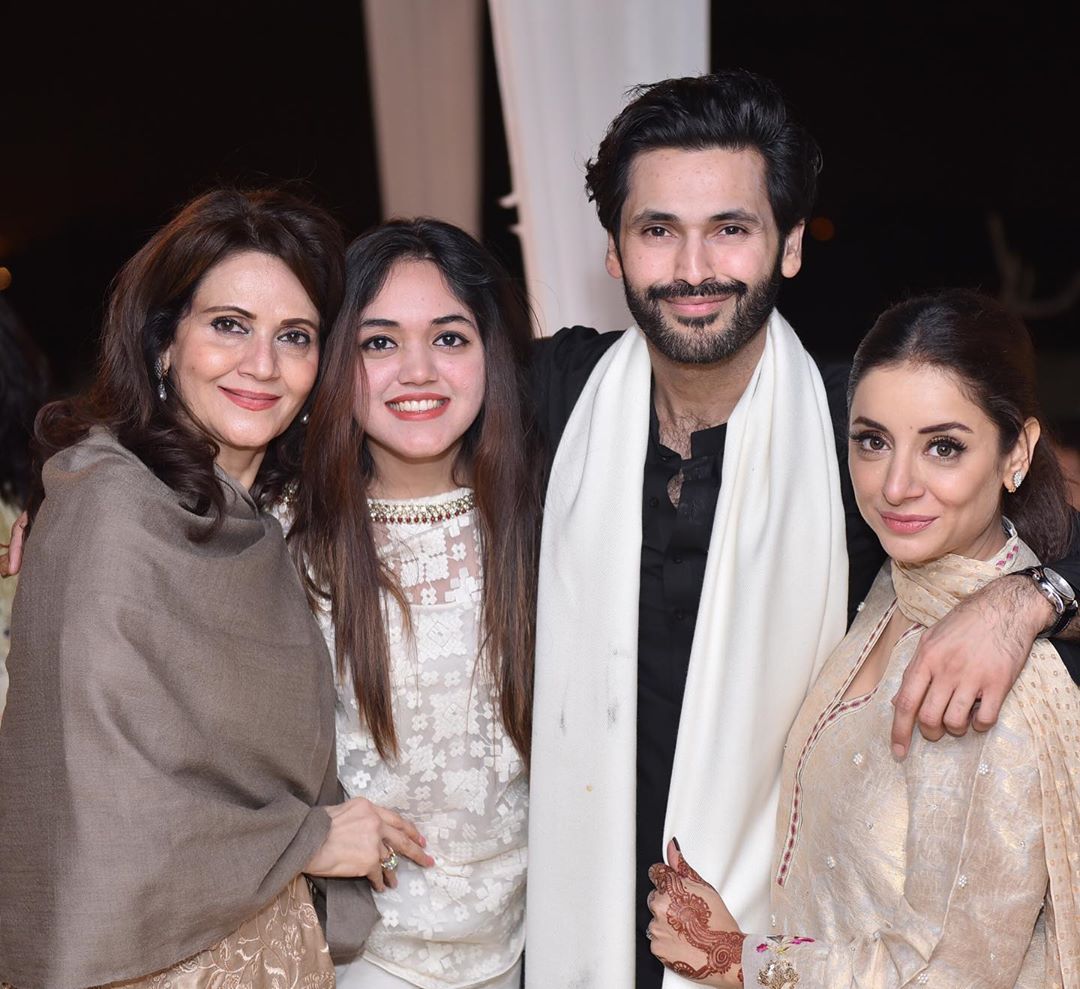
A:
282	947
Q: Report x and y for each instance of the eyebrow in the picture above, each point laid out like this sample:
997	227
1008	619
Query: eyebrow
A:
941	427
944	427
449	318
295	321
243	312
657	216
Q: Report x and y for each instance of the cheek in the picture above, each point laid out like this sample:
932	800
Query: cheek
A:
468	379
195	366
866	478
971	498
373	378
303	375
748	263
970	490
642	268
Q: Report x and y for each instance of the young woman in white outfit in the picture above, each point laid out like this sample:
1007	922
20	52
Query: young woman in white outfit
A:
419	481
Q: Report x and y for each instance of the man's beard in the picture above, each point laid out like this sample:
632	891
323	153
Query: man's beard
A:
696	339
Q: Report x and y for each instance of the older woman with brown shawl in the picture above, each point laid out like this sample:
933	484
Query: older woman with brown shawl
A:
167	769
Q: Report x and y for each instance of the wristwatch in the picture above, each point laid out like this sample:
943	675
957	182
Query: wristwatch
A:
1059	592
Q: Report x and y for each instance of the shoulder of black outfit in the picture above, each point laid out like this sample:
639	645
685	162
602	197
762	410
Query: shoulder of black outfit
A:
1069	568
559	366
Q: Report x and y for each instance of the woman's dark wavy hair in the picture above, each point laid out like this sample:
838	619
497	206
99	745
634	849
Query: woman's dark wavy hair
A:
332	537
23	386
988	349
150	295
734	109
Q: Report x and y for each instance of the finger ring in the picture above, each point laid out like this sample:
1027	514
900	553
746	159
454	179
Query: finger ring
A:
389	863
648	934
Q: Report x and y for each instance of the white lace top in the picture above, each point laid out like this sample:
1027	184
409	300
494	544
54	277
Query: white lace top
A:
458	776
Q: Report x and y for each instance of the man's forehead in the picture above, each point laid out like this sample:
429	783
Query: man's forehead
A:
698	184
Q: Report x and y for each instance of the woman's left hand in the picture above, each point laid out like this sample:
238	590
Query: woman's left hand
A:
11	558
692	931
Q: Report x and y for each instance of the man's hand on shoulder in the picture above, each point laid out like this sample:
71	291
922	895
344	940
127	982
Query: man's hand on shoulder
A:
966	664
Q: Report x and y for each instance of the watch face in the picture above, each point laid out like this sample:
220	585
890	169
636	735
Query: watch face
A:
1059	584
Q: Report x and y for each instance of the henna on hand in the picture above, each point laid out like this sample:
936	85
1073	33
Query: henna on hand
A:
688	916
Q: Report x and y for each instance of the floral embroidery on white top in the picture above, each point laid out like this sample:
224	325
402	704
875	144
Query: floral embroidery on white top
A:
458	776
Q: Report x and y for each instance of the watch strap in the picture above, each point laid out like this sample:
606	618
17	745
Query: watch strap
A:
1060	622
1063	609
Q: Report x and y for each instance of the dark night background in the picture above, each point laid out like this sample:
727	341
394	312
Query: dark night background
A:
930	124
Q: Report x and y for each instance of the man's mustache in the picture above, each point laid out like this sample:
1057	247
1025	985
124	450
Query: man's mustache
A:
683	290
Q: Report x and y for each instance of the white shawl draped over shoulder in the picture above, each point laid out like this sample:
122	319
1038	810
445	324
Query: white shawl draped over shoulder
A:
773	606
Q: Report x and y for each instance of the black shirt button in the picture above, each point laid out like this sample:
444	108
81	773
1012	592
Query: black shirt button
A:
680	616
654	502
676	558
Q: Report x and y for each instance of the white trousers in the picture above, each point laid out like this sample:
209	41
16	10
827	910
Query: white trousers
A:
362	974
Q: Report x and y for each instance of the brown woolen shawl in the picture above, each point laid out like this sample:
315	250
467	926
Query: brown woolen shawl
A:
169	731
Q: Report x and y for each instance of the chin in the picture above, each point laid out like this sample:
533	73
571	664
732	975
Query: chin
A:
911	552
249	440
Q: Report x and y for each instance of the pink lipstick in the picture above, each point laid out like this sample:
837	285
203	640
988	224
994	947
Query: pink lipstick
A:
253	401
906	525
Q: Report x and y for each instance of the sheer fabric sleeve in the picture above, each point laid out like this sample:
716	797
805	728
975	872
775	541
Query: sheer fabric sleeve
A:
975	883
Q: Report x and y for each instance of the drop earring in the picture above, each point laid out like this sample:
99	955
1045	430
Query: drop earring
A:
159	370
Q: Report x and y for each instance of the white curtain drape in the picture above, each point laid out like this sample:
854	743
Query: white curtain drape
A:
424	59
564	67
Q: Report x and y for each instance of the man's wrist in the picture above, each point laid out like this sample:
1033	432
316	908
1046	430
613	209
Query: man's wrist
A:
1058	595
1033	609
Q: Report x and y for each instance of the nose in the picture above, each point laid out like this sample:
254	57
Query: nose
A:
693	262
417	366
902	482
259	359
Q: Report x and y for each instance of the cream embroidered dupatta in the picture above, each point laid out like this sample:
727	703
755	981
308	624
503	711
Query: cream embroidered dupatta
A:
934	870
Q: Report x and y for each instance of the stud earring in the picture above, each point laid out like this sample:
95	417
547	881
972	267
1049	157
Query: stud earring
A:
304	419
1017	479
159	370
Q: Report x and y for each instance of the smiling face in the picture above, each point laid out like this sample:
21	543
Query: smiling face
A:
245	356
927	466
424	364
699	252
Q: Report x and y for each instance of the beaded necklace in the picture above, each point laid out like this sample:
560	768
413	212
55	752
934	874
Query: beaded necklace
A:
414	513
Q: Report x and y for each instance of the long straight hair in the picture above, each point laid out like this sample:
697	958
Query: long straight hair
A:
989	351
150	296
332	536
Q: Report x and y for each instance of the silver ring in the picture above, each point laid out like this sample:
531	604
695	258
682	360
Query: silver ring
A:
389	864
648	934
